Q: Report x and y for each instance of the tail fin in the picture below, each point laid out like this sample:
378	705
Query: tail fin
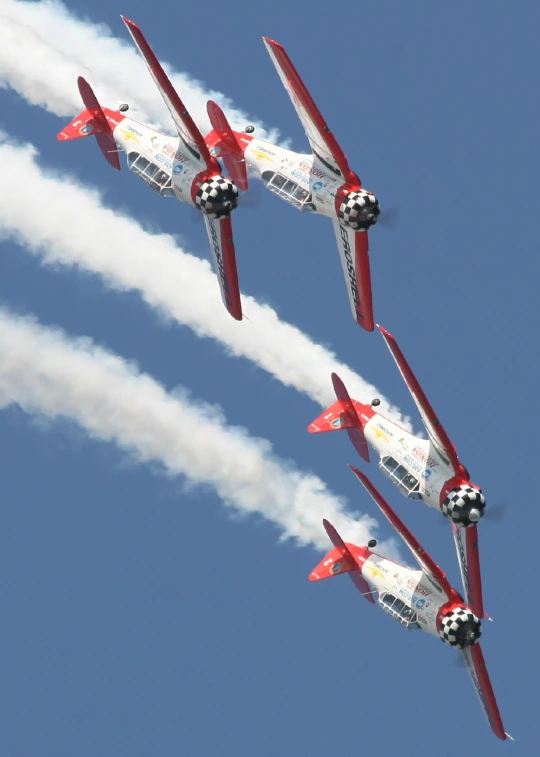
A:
224	144
340	560
343	414
93	122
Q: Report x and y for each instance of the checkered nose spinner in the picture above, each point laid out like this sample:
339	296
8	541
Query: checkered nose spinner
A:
359	210
217	197
459	627
465	505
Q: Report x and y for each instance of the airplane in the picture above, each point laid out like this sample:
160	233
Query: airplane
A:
320	182
180	167
427	470
417	599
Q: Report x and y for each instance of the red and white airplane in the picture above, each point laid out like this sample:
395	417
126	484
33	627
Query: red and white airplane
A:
320	182
427	470
418	599
180	167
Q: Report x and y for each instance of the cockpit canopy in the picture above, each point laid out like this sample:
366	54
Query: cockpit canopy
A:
289	190
400	477
151	173
399	611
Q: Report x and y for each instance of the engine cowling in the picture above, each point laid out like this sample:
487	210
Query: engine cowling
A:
464	505
217	197
359	210
460	628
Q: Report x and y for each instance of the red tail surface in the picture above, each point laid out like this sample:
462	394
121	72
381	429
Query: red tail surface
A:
96	122
340	559
223	144
347	414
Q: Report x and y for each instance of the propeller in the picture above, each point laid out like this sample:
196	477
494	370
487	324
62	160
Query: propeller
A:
250	199
458	662
389	218
494	514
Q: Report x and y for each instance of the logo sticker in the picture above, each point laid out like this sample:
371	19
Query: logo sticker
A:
317	185
178	168
86	129
336	423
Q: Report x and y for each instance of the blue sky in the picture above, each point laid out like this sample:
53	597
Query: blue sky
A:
143	617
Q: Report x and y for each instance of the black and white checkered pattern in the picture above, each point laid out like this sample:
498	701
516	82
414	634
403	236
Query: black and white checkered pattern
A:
359	210
217	197
459	503
460	628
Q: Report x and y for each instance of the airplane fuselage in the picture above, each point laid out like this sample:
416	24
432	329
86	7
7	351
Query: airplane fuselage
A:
428	473
302	180
172	169
413	588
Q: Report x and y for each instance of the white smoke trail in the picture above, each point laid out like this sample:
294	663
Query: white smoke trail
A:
44	48
65	223
44	371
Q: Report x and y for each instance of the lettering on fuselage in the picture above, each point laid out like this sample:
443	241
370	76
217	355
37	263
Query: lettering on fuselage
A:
419	453
175	154
419	588
306	166
133	130
219	260
350	268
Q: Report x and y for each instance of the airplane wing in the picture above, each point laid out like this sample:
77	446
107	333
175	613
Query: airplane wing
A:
187	131
438	436
353	250
321	139
428	565
356	577
222	245
480	678
466	541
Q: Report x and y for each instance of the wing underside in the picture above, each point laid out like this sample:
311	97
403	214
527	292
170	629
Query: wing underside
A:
466	541
321	139
428	565
353	251
221	241
477	670
187	130
438	436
